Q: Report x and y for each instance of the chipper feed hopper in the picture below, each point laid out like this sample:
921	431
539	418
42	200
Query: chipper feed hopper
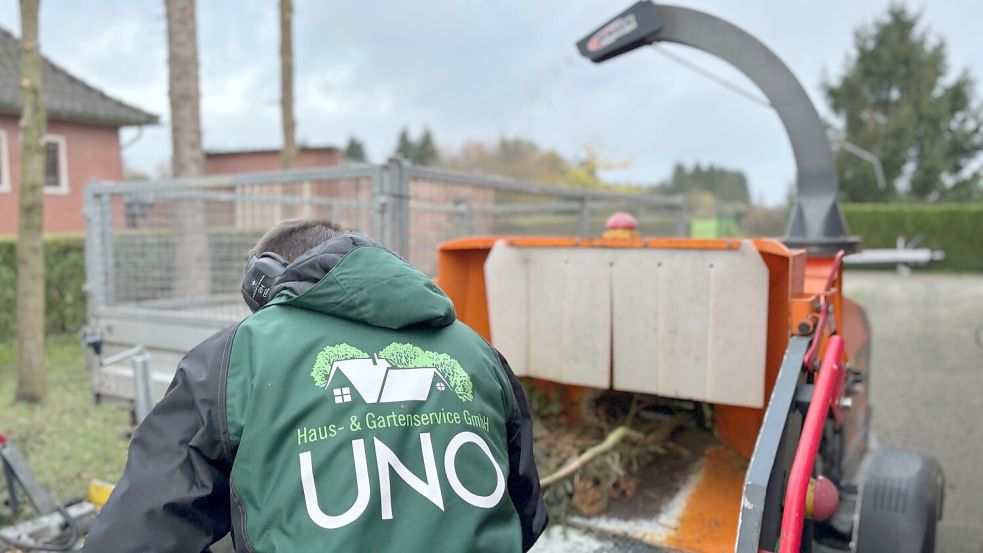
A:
759	334
756	333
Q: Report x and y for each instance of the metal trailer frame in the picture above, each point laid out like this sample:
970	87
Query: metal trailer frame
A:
408	208
52	517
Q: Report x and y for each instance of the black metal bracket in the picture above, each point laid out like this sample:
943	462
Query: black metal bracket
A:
17	472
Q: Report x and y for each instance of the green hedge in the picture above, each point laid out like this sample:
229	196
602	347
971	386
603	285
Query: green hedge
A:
956	229
64	259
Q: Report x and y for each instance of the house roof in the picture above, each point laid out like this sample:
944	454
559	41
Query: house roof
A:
65	95
377	381
277	151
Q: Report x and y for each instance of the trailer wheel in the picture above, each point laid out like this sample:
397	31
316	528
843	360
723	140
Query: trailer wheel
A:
900	504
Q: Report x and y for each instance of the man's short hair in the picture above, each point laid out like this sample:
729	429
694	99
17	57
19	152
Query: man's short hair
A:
293	237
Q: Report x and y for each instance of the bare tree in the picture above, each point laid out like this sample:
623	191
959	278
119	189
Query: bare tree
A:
287	82
188	160
30	248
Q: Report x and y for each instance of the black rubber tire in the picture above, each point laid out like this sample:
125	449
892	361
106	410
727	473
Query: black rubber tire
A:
901	498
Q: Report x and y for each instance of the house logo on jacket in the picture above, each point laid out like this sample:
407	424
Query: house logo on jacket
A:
397	374
404	374
377	381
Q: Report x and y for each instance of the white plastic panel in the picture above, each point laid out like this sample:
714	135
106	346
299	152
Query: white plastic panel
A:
550	312
680	323
691	324
507	290
738	327
570	331
661	328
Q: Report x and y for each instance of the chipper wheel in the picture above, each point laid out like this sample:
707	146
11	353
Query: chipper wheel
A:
900	504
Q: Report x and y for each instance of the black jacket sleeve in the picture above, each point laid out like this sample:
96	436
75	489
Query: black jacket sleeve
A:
523	481
174	493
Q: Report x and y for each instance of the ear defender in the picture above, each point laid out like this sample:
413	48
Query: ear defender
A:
261	274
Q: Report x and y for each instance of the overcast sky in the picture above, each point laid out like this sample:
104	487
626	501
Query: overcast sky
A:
473	71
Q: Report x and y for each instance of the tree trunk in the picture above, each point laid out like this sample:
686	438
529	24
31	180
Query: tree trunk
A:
192	278
30	248
287	82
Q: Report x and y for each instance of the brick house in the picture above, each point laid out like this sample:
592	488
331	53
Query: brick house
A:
82	140
249	161
355	195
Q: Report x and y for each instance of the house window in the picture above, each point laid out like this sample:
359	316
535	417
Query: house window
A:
342	395
441	386
5	185
55	165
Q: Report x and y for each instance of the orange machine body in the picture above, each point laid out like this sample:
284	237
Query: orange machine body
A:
798	286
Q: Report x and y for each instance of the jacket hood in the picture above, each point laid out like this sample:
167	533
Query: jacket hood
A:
353	277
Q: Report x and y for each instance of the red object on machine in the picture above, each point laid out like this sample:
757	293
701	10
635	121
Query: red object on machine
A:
621	220
3	439
824	309
825	498
823	396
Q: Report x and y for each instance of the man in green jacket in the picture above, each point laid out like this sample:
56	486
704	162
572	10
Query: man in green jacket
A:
350	412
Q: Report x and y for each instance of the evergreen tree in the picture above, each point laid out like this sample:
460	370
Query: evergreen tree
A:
420	152
354	150
726	185
405	147
425	152
894	100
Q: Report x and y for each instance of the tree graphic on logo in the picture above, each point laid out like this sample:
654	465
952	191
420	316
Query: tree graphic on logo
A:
401	356
410	356
328	356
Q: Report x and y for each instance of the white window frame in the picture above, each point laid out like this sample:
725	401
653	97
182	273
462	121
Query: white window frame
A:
342	395
6	186
63	187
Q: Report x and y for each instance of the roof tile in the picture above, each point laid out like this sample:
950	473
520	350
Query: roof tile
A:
65	95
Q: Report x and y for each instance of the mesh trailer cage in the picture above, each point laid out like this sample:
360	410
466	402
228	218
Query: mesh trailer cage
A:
178	246
164	259
443	205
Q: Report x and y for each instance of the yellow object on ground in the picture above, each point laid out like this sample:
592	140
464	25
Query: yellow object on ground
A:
98	492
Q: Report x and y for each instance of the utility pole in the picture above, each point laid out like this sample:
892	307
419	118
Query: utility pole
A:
289	152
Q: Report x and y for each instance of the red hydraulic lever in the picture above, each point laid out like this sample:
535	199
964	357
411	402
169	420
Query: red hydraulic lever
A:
823	397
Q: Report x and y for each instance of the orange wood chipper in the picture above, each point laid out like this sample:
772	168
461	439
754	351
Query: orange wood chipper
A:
759	332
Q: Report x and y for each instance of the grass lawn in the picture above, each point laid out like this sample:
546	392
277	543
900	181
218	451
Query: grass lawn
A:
67	439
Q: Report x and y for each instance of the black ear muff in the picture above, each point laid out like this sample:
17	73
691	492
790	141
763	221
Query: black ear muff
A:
261	274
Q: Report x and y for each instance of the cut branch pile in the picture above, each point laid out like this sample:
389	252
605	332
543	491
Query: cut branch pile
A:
589	459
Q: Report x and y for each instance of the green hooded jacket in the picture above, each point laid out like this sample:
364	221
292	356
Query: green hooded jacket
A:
352	413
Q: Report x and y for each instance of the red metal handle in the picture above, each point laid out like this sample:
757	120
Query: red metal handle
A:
823	396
